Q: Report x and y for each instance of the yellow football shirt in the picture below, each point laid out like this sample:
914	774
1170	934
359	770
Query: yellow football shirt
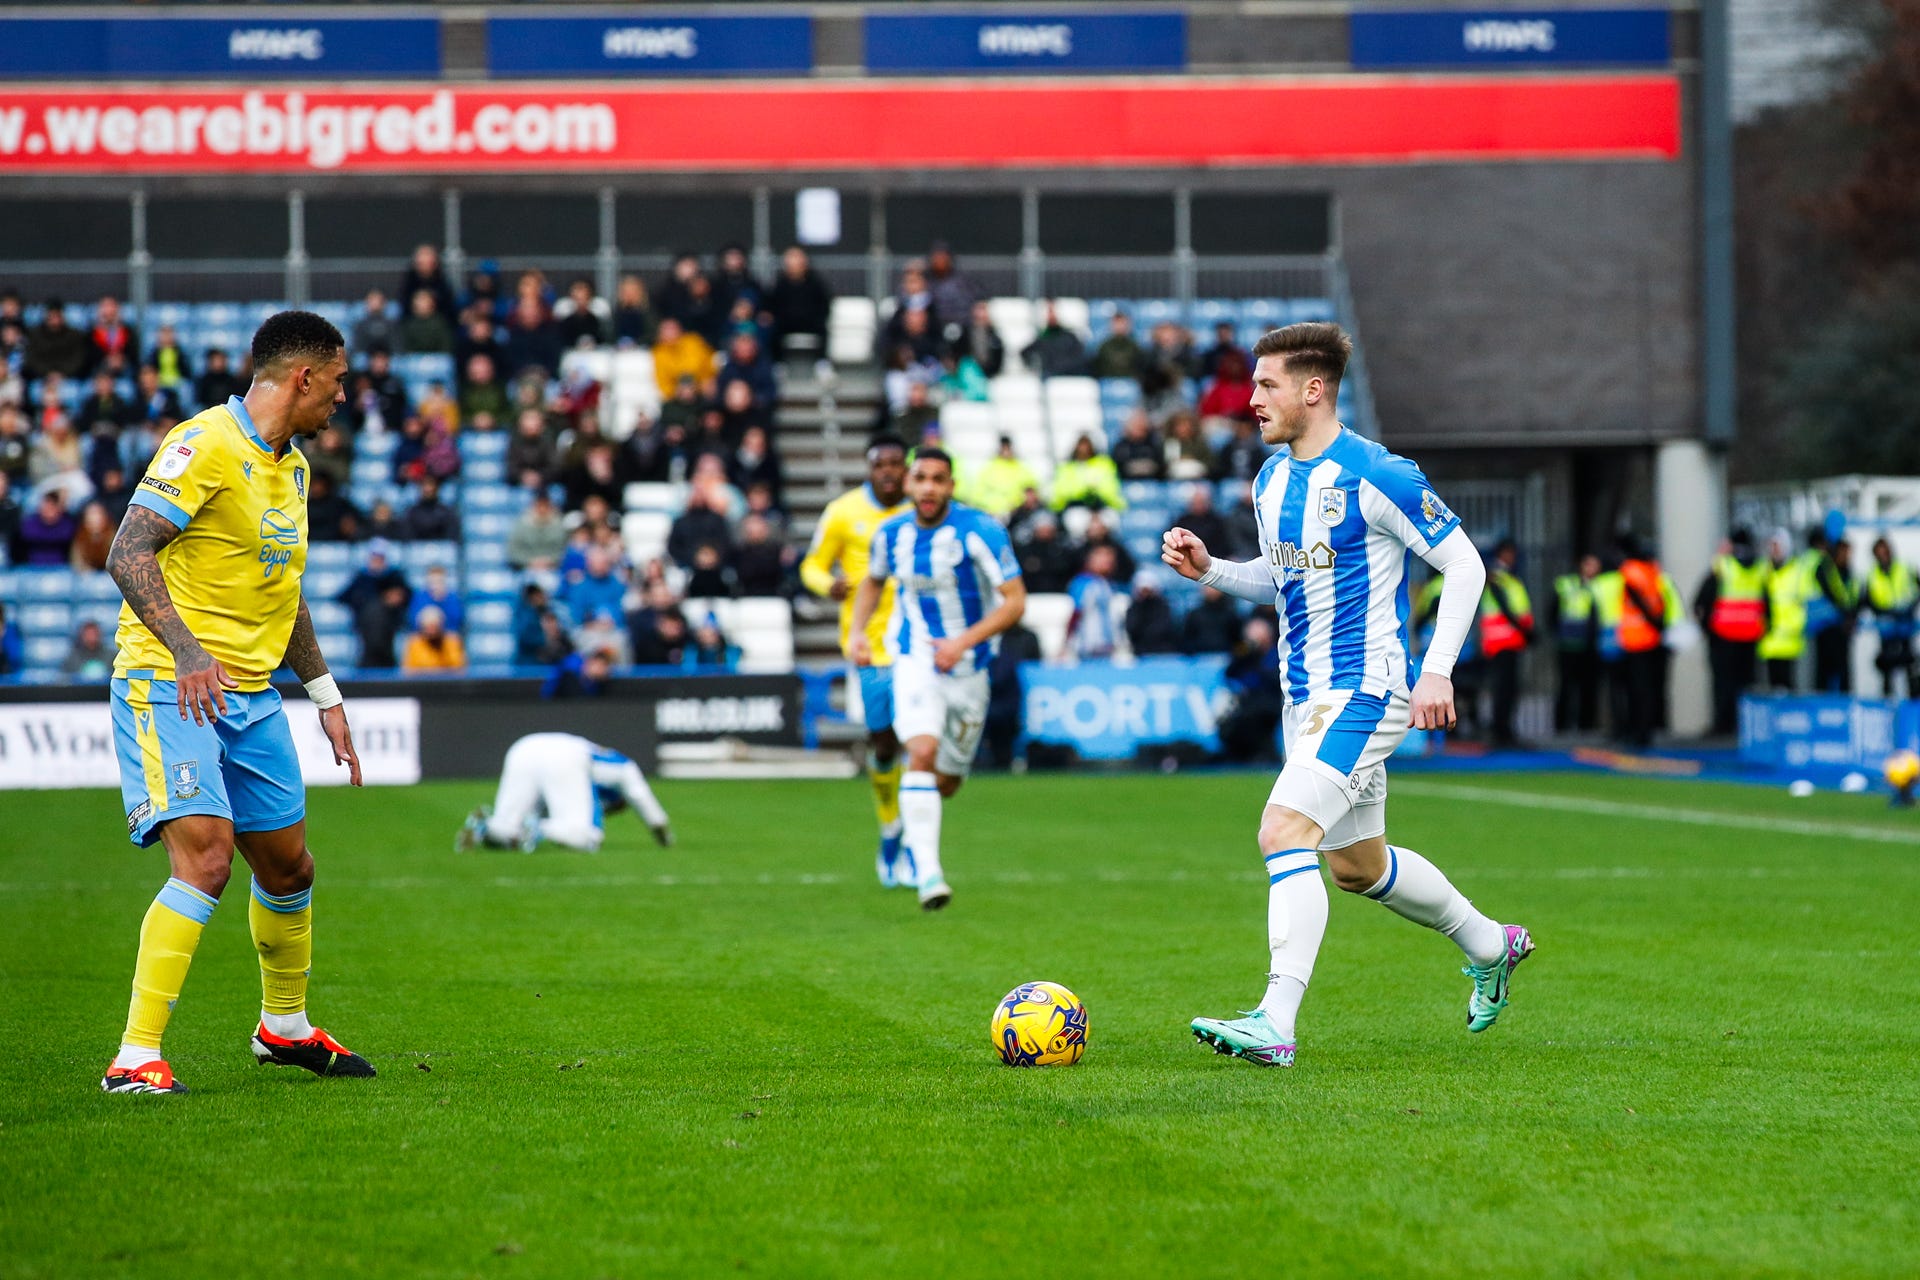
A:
234	571
842	540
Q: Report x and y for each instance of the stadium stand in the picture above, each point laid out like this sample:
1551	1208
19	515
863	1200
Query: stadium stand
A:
607	436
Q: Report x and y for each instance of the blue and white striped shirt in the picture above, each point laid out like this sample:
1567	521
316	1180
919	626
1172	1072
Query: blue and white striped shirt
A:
1336	532
949	578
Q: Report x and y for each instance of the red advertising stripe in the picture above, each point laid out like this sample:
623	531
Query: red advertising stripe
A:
867	125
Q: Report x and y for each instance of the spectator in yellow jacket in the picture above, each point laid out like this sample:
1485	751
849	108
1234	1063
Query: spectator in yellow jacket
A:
677	352
1087	479
1003	481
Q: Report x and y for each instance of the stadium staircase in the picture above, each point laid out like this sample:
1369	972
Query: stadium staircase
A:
824	425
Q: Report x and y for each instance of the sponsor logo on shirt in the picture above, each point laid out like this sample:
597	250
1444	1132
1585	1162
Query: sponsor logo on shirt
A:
153	482
1299	561
300	482
279	535
1433	510
139	815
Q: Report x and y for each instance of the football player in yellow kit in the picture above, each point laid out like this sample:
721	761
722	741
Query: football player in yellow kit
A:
834	567
209	558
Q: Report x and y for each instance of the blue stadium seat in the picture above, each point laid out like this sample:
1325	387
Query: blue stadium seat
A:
371	472
329	615
491	614
45	584
1248	334
1207	312
324	584
1144	520
376	445
330	555
497	582
1318	310
173	313
1149	492
46	651
1268	313
100	611
424	367
490	646
486	526
1155	311
483	444
482	552
1124	392
95	588
494	497
422	556
48	619
484	470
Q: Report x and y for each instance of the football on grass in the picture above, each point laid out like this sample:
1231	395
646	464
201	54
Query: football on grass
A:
1040	1024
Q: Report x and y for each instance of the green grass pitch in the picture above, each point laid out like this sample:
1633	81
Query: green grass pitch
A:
740	1055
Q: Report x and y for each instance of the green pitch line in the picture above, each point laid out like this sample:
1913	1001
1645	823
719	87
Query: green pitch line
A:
739	1056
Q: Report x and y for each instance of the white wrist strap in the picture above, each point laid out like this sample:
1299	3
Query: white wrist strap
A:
324	692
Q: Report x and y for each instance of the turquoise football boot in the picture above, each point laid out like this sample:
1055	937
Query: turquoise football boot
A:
1491	982
1253	1037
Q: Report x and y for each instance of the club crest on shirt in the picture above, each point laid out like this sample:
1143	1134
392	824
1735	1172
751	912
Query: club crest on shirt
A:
1333	506
186	779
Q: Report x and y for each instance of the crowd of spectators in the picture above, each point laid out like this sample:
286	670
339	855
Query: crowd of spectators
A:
68	461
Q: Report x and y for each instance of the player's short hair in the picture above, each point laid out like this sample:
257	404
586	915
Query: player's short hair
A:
295	335
1308	350
930	454
885	440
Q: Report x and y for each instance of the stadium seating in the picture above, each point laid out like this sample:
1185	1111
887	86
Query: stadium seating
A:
1045	419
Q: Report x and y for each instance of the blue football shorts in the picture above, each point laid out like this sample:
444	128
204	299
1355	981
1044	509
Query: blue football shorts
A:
241	766
876	697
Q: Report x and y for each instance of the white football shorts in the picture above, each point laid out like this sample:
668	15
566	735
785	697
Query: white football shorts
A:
952	708
1336	771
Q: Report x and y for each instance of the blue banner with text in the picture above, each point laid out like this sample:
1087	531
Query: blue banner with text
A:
1507	37
281	44
643	42
1108	712
1026	42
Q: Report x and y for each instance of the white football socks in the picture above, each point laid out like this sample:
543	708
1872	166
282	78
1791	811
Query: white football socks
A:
132	1056
288	1026
1416	889
1296	923
920	813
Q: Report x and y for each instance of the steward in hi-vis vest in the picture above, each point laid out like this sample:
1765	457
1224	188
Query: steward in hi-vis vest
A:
1506	629
1732	608
1892	593
1576	636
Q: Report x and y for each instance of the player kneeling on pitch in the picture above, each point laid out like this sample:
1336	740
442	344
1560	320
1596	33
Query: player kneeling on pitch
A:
959	588
1337	516
561	787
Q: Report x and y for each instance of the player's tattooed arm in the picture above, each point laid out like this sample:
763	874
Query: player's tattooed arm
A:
134	565
303	647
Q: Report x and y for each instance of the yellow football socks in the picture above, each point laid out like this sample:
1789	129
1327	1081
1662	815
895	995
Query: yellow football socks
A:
886	792
168	937
283	934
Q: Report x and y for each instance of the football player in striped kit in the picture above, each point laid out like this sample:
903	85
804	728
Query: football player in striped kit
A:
1338	517
959	588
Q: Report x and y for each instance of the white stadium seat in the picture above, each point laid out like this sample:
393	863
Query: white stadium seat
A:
1047	615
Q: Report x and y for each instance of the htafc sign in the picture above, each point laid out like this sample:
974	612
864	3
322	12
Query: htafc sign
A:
644	42
1107	712
1026	42
1505	37
760	127
45	745
284	44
